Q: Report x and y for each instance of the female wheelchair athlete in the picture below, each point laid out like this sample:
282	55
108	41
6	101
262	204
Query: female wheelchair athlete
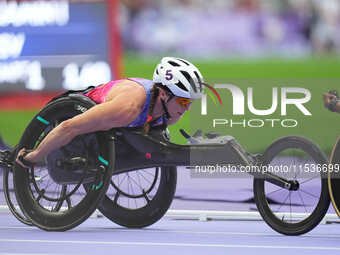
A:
131	176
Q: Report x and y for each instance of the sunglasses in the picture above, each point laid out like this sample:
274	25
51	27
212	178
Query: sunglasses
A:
183	101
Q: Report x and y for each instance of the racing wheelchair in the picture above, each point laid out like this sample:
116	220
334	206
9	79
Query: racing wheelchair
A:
131	176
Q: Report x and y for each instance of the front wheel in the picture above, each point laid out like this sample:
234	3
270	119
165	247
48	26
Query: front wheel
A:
292	212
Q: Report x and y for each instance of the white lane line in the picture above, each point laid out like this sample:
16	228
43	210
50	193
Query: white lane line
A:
273	234
16	227
118	230
8	253
269	234
174	244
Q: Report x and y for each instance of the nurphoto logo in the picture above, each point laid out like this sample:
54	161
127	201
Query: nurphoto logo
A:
239	104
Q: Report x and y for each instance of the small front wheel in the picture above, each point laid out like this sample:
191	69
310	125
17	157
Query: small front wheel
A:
293	212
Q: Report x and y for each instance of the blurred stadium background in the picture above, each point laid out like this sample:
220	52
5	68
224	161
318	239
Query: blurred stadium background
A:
281	43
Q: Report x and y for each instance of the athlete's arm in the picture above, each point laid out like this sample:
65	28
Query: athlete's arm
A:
119	111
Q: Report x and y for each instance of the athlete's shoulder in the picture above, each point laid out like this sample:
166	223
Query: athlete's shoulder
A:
127	89
138	79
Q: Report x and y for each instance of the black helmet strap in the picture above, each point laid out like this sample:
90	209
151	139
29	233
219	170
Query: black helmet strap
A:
165	109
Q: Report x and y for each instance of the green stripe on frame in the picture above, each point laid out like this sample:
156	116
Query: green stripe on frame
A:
99	185
105	162
43	120
94	187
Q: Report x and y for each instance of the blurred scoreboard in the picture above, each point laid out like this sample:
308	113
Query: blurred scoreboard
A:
53	45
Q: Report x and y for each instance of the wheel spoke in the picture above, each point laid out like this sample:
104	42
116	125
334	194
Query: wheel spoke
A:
134	181
308	180
303	203
125	175
284	202
146	179
308	193
272	192
145	171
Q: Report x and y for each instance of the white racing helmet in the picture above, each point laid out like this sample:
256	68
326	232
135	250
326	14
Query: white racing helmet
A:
181	77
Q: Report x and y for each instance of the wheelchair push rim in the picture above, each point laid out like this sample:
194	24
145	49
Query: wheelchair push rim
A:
52	205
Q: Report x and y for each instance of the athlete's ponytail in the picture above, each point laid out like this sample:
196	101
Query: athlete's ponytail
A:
154	95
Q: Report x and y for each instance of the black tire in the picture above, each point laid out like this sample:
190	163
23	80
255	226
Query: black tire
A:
147	205
11	199
316	185
41	201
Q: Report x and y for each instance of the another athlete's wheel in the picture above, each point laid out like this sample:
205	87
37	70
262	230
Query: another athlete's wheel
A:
334	177
287	211
51	194
139	198
11	199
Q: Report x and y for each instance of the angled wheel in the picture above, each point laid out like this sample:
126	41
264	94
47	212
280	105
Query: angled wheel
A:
294	212
11	199
52	195
334	177
139	198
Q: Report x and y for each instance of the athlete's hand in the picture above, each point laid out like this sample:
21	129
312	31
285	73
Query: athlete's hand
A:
29	157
